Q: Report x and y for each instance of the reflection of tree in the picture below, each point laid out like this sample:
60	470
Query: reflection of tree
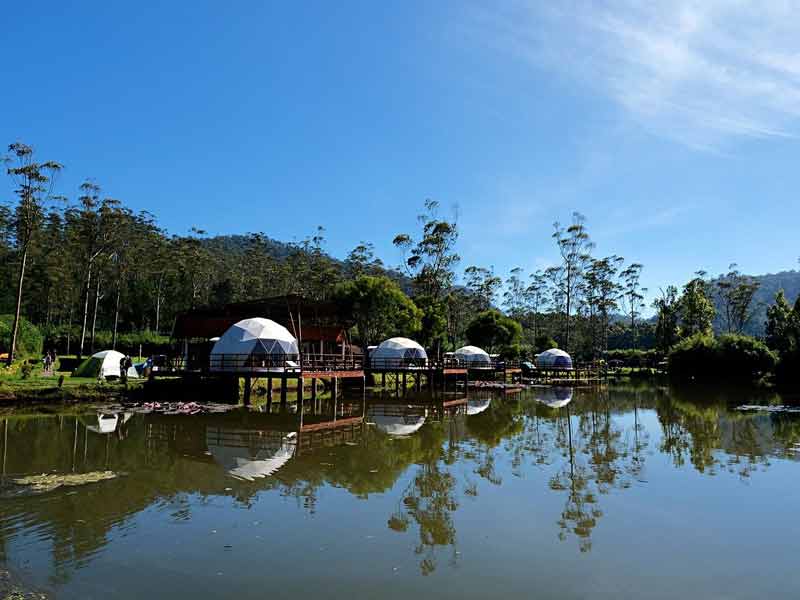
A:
698	425
579	515
430	501
593	453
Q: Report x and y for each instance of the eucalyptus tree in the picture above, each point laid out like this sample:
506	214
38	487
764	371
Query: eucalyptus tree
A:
93	226
536	298
601	293
633	294
431	259
515	296
34	183
735	294
195	267
483	284
362	261
430	262
574	246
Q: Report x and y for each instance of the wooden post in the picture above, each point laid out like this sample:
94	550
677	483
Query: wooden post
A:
397	383
269	388
247	389
314	389
383	379
300	393
283	392
404	383
335	386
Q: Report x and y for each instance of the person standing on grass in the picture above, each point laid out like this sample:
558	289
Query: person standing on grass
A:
123	371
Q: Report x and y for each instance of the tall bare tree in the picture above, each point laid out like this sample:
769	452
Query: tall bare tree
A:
575	248
34	189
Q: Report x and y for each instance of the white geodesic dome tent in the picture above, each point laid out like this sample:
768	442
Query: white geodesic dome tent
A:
473	357
254	344
104	365
554	359
398	353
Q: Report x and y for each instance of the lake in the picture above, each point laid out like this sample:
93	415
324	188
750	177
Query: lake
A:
633	490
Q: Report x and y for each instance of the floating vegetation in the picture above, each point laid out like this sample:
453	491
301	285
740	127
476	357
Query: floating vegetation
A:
11	589
33	485
173	408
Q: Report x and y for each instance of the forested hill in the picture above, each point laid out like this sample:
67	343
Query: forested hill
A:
769	285
238	244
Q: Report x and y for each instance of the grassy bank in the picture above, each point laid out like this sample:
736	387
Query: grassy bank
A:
60	387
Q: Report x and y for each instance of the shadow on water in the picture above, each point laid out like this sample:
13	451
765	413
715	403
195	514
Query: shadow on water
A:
429	453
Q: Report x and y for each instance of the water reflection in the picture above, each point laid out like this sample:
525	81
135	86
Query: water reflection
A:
431	458
250	455
554	396
397	419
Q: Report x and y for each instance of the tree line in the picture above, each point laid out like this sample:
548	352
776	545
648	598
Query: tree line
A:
90	270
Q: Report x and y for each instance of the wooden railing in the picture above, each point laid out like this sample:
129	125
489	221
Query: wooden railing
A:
285	363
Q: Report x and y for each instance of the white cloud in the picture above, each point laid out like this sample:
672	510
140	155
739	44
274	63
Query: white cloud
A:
700	72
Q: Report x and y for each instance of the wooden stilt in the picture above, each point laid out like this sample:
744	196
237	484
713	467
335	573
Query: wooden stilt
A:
283	392
248	384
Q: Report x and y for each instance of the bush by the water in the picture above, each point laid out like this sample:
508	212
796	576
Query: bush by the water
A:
731	356
29	338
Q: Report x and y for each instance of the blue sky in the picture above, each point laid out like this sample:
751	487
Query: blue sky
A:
671	126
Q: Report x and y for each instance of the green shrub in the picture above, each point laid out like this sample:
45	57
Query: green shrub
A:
25	370
742	356
29	338
693	357
730	356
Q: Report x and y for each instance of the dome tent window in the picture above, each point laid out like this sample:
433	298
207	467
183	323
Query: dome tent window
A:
398	353
255	344
554	359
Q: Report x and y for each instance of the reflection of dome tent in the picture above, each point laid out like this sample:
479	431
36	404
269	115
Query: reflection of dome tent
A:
398	352
473	357
232	450
554	359
554	397
108	422
254	343
475	406
395	420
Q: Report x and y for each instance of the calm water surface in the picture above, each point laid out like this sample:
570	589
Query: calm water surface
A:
630	491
